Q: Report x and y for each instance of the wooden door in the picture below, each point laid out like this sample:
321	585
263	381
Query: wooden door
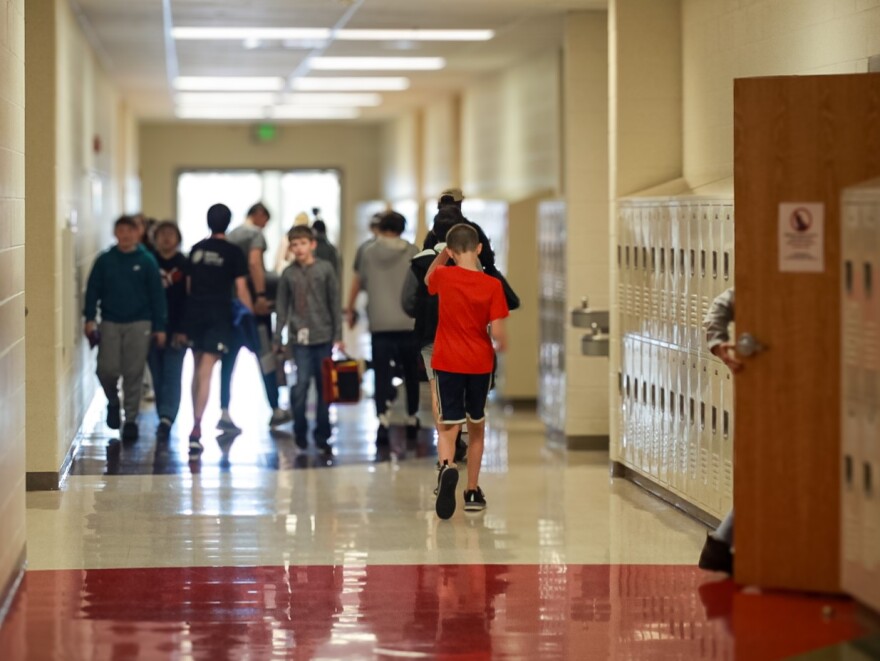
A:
796	139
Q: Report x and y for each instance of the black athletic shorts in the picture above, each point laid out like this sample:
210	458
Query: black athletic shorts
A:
209	335
461	397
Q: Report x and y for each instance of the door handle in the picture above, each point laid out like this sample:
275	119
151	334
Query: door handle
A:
747	345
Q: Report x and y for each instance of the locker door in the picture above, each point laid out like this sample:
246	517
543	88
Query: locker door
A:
716	401
704	270
666	408
675	274
727	440
694	342
694	438
852	409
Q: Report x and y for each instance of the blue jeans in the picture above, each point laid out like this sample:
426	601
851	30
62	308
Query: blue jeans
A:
308	368
166	366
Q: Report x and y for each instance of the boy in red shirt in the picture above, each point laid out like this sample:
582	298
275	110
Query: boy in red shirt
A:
470	302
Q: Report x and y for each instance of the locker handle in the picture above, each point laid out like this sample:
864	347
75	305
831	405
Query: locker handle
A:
627	256
644	258
868	477
715	264
653	259
702	263
848	276
672	261
693	262
714	420
702	415
726	424
848	469
727	266
869	278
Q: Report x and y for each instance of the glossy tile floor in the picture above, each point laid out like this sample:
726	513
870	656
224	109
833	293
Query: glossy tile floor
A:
261	551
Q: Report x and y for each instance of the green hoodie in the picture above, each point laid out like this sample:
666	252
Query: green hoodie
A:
128	288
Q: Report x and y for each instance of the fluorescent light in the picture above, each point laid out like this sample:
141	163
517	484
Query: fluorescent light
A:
333	99
228	83
387	84
221	113
267	112
414	35
282	34
312	34
241	99
298	112
225	98
377	63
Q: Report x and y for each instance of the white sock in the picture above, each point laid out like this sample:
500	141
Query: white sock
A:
224	415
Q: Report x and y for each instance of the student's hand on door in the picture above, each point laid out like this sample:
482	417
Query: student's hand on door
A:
160	339
178	340
90	327
727	353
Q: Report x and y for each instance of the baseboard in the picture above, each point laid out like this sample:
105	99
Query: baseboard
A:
9	590
588	443
52	480
620	470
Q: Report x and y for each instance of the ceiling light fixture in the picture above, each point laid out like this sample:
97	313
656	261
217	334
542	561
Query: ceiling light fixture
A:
365	84
250	99
312	34
377	63
228	83
266	112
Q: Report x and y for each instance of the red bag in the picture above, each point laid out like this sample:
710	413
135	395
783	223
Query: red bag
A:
341	380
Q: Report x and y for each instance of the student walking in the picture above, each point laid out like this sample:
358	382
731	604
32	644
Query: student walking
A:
249	238
216	269
383	270
166	363
424	308
308	306
471	302
125	284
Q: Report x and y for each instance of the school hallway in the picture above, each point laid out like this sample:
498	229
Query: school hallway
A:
261	550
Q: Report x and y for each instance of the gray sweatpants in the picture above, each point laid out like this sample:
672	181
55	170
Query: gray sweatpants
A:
123	353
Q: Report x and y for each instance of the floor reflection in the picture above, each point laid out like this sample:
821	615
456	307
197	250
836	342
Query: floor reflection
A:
101	452
472	611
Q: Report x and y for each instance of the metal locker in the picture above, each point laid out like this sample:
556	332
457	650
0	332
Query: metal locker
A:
624	239
704	268
704	431
716	458
716	258
672	264
694	282
727	440
666	409
665	249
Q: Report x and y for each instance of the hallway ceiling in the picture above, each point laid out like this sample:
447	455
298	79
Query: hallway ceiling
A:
130	40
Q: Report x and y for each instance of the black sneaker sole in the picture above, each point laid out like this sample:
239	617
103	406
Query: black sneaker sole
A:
445	505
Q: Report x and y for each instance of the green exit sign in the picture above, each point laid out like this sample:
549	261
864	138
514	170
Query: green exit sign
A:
265	132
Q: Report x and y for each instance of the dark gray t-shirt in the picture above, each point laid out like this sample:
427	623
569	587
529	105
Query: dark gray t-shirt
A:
247	237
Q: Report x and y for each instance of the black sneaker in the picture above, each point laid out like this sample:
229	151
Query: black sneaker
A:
461	450
716	556
301	442
130	431
113	420
474	501
382	436
446	483
163	431
412	431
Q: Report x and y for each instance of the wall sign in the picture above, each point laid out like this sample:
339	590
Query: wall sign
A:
802	237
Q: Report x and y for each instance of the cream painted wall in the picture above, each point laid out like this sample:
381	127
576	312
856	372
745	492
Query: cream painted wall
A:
76	179
510	131
585	127
725	40
442	146
12	299
166	148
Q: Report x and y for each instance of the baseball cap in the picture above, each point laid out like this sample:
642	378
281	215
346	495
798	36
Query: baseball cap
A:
451	195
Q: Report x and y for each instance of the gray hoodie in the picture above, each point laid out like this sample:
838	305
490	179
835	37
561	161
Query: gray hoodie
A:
383	270
719	318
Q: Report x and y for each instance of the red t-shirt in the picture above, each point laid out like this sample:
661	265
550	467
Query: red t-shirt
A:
469	302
